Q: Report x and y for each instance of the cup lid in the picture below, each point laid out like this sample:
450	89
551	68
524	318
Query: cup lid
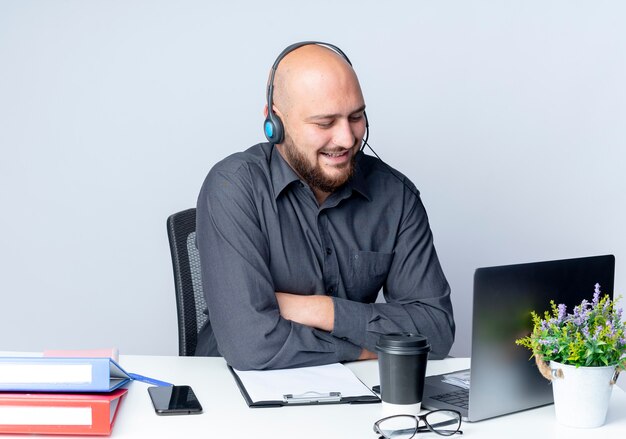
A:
401	342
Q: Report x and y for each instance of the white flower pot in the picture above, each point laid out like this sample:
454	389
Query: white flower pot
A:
581	394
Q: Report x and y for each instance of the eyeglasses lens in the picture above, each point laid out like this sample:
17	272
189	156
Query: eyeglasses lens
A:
398	427
444	422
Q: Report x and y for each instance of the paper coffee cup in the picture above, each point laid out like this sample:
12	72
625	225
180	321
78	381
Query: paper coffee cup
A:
402	360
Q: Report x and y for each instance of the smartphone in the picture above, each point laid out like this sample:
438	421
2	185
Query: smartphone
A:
174	400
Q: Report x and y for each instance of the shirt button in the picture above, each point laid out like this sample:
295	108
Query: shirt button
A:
331	290
328	251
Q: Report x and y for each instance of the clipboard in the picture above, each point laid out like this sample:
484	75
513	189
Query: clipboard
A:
327	384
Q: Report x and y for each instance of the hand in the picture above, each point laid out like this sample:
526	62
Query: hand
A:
367	355
315	311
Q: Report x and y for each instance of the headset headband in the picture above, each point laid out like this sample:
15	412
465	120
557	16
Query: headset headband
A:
287	51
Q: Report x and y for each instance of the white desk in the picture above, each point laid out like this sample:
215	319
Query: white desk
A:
227	415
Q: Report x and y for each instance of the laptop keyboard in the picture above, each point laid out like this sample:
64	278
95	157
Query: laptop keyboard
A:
458	398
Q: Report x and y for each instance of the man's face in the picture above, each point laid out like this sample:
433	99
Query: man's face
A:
324	126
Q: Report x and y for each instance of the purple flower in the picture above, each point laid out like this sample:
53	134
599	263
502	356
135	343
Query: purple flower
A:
596	299
597	332
609	325
596	293
581	313
562	312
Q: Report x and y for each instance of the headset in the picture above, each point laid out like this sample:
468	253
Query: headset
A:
273	126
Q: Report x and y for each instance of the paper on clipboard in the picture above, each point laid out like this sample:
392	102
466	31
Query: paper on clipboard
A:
274	385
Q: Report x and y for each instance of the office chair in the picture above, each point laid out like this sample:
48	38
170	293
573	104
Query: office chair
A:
190	304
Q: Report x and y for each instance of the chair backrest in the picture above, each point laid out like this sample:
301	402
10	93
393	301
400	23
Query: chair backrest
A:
190	302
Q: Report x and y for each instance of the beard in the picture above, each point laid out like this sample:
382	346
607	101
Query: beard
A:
313	174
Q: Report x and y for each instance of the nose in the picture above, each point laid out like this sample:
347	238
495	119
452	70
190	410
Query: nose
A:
344	135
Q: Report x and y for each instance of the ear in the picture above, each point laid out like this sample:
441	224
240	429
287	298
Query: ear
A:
265	111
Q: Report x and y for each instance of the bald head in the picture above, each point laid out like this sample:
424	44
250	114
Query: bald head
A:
308	73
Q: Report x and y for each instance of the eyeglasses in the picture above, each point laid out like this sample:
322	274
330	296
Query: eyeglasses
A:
442	422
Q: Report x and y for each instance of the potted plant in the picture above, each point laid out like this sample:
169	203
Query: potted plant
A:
582	354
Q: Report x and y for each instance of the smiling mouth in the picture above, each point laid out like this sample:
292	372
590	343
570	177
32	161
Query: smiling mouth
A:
335	154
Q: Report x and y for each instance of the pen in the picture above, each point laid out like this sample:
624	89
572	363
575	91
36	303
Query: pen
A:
149	380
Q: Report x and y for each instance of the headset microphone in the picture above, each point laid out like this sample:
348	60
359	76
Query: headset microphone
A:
389	168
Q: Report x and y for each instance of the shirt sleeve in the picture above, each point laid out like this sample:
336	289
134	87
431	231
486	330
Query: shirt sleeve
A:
416	291
238	286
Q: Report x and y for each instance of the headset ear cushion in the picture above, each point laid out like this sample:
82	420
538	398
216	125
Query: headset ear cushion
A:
273	128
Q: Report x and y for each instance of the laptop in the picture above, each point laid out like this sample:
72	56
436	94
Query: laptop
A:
503	379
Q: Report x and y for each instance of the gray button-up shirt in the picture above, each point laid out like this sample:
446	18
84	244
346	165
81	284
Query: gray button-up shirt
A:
260	230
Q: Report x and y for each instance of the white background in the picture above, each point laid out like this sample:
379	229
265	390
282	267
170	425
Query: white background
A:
509	116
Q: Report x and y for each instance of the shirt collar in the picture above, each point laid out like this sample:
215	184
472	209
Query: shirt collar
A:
283	175
358	182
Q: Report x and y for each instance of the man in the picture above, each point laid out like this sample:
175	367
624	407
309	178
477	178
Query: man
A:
296	238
